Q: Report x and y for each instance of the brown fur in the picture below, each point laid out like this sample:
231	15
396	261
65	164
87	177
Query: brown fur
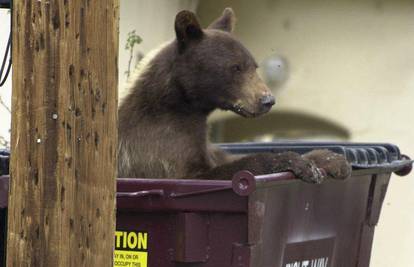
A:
163	121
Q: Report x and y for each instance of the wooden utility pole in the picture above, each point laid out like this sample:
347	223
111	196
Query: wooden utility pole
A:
64	135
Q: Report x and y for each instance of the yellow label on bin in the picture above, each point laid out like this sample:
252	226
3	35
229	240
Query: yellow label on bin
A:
131	249
130	259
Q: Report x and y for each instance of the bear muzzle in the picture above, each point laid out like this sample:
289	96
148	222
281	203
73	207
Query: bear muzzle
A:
262	106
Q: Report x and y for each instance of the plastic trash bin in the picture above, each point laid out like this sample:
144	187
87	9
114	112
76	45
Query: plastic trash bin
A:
255	221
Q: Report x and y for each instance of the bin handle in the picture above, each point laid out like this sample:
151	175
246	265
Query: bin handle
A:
143	193
244	182
407	166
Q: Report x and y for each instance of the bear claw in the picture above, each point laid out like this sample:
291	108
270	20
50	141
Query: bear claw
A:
334	165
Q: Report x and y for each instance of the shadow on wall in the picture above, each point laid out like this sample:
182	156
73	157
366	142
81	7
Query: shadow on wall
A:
281	125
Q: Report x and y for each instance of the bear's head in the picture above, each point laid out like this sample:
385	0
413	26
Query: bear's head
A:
214	70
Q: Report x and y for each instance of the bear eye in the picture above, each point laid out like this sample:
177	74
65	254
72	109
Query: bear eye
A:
236	68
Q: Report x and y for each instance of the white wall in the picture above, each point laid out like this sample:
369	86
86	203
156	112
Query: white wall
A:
5	91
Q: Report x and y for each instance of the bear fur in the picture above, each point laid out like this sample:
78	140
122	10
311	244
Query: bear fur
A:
163	120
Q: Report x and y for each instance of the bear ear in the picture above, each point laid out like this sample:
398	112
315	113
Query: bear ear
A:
187	28
226	22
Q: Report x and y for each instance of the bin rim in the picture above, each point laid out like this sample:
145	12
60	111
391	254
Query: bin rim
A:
365	158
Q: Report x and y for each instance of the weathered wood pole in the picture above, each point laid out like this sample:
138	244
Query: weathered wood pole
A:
64	135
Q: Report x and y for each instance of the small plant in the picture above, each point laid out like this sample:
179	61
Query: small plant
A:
132	40
4	143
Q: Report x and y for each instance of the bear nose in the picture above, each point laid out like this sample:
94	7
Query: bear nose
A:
267	100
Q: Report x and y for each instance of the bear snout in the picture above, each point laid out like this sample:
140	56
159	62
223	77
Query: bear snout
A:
257	107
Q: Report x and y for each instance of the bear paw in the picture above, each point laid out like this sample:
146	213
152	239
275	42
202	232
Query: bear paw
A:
334	165
302	168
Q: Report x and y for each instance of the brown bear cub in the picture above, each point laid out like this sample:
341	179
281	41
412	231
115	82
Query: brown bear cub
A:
163	119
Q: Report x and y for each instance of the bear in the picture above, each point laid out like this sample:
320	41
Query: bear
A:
163	130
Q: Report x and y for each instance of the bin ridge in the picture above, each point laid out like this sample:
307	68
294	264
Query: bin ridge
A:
383	157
